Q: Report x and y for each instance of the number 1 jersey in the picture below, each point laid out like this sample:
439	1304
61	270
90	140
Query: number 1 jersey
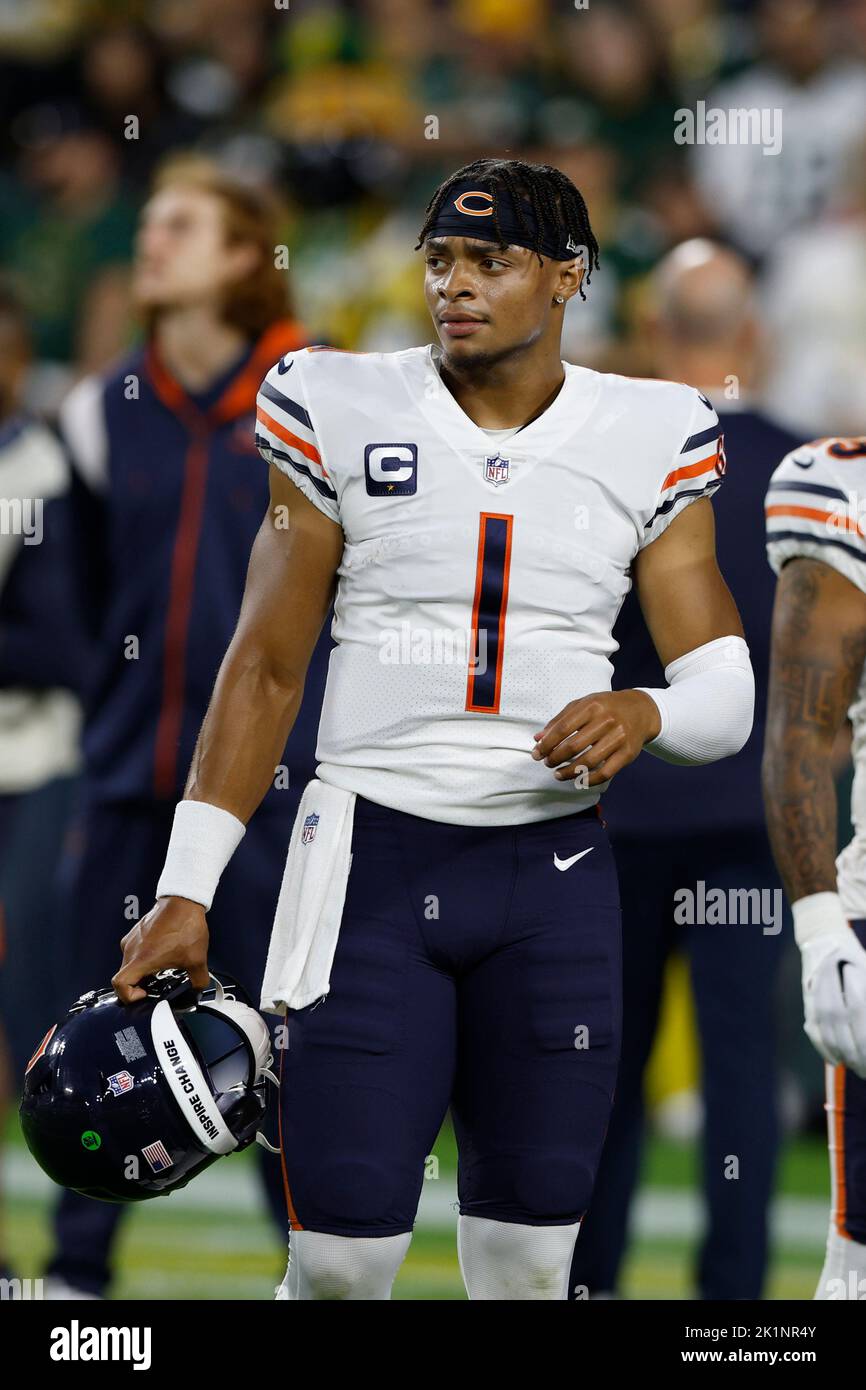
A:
479	582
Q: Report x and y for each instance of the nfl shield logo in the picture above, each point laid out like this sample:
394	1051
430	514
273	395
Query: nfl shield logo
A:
120	1082
496	470
309	831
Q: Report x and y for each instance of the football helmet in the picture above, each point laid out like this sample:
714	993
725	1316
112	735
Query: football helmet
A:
124	1102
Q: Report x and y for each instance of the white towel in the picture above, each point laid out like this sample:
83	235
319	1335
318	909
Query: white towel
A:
310	905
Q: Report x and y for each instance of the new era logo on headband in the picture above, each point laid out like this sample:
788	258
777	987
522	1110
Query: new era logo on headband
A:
461	205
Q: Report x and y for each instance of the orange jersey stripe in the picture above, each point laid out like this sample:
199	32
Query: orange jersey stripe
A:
846	523
288	438
691	470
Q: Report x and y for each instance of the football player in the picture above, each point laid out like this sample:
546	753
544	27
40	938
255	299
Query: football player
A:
816	545
481	508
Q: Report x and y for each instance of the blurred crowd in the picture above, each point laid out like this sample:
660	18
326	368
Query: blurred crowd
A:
354	109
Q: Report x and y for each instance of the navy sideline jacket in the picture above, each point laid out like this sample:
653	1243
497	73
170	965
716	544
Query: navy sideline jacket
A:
169	492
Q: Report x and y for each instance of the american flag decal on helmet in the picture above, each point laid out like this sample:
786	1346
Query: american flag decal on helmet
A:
157	1156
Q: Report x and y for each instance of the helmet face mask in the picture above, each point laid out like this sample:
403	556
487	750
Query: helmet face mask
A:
127	1102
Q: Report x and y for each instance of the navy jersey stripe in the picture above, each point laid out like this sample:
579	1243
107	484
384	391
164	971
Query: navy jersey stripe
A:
705	437
319	485
815	540
671	502
287	404
818	488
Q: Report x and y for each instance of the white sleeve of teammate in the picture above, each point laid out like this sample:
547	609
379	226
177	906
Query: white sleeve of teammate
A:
813	508
812	511
286	433
695	468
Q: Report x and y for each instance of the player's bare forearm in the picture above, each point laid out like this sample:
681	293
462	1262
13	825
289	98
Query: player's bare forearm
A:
260	684
683	596
818	650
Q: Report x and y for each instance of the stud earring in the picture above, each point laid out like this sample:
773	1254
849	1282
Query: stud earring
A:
559	299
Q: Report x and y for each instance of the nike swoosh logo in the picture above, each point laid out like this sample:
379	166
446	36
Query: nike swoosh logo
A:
567	863
801	464
282	368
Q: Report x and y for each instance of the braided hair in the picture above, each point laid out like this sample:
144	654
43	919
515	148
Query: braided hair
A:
557	205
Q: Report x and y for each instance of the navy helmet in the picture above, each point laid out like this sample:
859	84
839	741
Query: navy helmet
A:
129	1101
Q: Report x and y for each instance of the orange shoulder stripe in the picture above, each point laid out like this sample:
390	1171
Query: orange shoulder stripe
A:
691	470
842	522
288	438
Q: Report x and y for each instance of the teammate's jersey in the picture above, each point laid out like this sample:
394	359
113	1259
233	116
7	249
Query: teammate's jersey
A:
479	584
815	508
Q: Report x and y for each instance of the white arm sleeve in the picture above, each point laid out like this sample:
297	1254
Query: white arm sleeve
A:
707	708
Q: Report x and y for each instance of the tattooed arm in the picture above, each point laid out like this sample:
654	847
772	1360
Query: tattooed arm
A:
818	650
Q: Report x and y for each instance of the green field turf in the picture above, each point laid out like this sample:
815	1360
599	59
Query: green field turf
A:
211	1241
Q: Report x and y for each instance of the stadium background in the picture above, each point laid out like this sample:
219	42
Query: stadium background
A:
353	112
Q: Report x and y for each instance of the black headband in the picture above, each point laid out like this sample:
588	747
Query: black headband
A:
468	211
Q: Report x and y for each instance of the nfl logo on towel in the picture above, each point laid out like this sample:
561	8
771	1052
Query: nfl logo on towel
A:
309	830
496	470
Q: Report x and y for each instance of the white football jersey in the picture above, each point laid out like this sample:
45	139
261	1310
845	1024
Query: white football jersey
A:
815	508
480	579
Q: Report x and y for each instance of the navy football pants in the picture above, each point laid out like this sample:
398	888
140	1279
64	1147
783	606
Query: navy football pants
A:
117	850
469	971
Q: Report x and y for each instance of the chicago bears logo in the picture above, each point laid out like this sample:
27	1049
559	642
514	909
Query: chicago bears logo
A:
391	470
41	1048
462	206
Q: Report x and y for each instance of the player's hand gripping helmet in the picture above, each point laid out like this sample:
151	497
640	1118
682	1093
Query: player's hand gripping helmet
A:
125	1102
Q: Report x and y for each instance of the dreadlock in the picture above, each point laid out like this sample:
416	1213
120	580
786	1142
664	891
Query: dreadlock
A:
558	206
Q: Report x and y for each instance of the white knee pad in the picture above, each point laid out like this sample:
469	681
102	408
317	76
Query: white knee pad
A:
342	1267
503	1261
844	1272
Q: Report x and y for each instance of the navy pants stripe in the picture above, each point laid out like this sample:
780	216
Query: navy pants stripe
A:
469	971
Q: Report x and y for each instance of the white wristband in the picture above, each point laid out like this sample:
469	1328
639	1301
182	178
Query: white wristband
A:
818	914
203	840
